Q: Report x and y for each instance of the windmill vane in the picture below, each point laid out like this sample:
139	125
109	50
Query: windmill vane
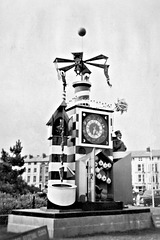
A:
80	67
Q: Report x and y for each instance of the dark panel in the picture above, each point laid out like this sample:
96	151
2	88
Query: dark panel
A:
122	180
56	158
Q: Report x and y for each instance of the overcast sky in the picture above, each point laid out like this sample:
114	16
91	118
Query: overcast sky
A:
34	32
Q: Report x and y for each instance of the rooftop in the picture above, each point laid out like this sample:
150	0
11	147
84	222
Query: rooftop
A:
155	153
38	158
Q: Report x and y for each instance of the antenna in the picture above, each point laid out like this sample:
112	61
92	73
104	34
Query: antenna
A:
82	33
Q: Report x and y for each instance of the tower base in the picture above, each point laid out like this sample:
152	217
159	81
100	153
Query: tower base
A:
88	206
74	223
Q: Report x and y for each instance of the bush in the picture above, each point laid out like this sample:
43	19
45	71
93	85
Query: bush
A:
9	202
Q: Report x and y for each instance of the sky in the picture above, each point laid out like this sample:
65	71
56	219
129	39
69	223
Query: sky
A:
34	32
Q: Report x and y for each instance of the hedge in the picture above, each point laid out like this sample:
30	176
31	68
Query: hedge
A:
9	202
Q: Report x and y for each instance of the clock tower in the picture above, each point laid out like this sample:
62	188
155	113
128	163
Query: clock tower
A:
85	162
90	128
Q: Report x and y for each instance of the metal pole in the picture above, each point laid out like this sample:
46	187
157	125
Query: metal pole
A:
152	179
62	127
92	165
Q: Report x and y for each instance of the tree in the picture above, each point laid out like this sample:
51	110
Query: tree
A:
16	159
11	170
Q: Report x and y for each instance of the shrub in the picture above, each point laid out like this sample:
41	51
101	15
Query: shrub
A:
9	202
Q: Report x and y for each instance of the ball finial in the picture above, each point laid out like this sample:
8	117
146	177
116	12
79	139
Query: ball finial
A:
82	32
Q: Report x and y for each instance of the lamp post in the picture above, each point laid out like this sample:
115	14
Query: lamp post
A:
152	179
152	175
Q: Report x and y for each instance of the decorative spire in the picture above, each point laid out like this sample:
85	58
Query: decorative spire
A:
79	64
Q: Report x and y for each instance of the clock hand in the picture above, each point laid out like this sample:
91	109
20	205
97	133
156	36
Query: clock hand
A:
94	130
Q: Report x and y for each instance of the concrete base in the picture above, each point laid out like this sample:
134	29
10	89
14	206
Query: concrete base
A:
73	223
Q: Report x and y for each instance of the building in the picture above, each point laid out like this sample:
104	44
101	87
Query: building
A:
145	170
36	170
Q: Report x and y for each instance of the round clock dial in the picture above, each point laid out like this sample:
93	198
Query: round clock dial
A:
94	129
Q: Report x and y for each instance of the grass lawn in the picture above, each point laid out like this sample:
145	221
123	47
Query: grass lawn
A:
4	234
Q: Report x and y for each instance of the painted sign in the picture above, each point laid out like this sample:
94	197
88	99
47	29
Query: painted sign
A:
40	233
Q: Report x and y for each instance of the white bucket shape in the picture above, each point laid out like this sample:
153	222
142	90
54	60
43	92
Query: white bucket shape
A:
62	194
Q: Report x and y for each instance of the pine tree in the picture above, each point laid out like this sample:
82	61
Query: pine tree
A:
11	170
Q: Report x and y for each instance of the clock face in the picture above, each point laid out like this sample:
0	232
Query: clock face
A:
94	128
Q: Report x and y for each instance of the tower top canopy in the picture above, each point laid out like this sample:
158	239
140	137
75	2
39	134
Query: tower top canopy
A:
79	64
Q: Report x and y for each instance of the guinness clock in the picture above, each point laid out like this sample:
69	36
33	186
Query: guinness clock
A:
94	128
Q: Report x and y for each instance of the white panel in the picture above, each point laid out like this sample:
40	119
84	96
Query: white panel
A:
49	131
78	156
54	166
56	149
81	182
82	93
70	150
93	145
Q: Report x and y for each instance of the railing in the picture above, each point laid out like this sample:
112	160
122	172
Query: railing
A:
90	103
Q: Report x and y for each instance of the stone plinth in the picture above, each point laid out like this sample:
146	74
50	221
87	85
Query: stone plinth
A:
73	223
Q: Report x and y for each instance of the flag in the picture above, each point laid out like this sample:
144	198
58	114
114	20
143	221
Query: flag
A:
106	74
